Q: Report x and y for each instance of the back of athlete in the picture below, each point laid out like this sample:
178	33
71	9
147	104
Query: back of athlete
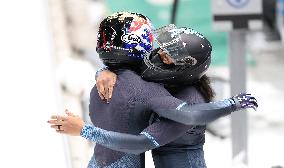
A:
186	151
123	114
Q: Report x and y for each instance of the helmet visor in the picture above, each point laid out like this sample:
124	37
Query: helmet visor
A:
170	40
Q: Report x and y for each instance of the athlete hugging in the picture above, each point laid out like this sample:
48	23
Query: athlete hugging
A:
150	99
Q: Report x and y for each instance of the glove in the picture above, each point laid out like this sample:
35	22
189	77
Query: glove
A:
245	100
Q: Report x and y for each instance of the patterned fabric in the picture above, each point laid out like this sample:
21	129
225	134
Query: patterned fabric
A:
128	143
95	134
127	161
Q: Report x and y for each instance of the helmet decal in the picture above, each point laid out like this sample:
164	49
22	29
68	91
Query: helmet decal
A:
128	32
175	32
130	38
140	37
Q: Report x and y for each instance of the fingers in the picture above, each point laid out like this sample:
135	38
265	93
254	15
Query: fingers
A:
247	101
107	95
60	131
104	92
111	87
60	128
105	89
57	127
110	84
101	96
56	122
252	106
110	90
69	113
105	84
101	89
58	117
253	101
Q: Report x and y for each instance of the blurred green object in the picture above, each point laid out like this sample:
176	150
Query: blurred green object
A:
195	14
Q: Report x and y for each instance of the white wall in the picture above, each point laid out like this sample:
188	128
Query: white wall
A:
28	89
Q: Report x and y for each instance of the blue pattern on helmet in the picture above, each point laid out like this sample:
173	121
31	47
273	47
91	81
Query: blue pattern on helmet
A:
143	47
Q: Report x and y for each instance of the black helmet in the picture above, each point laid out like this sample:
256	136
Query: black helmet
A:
124	38
189	50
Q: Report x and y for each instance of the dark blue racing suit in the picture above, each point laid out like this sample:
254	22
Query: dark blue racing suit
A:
187	150
121	128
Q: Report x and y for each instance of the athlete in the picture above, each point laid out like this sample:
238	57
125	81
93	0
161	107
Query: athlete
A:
129	111
187	149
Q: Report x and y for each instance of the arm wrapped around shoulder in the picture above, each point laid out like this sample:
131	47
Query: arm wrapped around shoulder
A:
199	114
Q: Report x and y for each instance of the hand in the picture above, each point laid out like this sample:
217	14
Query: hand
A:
105	82
70	124
246	100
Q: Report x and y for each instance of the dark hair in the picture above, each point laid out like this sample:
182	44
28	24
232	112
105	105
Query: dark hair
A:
204	87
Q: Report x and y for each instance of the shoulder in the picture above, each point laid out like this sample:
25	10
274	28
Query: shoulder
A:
132	78
128	76
139	87
128	81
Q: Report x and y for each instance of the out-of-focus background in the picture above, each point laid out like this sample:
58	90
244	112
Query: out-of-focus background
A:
48	63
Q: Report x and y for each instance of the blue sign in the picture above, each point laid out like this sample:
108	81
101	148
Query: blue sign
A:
238	3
